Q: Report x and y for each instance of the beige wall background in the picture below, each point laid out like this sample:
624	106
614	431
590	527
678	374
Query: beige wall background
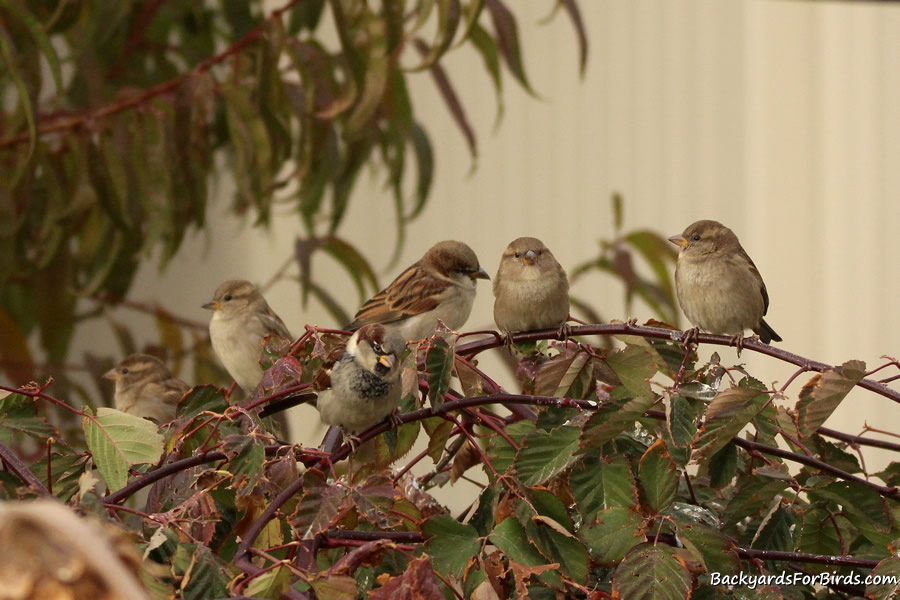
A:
781	119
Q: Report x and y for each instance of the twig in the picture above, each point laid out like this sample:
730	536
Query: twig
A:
72	122
22	471
473	348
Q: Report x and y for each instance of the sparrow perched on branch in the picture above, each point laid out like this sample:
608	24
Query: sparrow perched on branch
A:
241	319
441	285
531	290
718	286
146	388
363	386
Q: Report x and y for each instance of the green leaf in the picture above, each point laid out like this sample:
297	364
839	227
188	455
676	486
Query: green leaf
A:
18	413
824	392
864	506
599	483
424	155
821	532
487	48
634	365
652	573
725	416
509	536
680	416
246	457
545	454
508	40
375	79
271	584
354	263
252	148
658	476
25	105
438	367
614	532
449	16
614	418
451	99
203	398
888	570
118	441
723	466
715	549
578	23
753	495
438	431
450	544
36	30
559	546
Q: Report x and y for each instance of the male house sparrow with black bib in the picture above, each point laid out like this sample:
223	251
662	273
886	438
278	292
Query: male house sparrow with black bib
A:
531	290
441	285
718	286
146	388
364	385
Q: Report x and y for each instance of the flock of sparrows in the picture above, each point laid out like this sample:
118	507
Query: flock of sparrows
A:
718	288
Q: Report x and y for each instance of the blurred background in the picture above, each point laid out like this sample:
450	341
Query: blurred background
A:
780	119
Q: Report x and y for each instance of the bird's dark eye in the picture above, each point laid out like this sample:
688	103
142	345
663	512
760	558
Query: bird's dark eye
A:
125	371
540	252
518	255
696	237
377	348
227	297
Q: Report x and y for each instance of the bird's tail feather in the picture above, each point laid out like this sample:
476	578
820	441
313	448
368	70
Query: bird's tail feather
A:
766	333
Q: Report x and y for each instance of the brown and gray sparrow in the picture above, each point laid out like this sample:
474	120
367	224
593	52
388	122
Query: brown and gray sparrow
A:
531	290
363	387
441	285
146	388
241	319
718	286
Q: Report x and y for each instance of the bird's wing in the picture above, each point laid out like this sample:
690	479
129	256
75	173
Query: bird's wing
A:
414	292
754	272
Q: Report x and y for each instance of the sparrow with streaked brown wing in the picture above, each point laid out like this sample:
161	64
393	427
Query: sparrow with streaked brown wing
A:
441	285
531	290
146	388
718	286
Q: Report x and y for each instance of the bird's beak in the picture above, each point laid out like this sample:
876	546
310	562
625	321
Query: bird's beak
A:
213	305
529	257
387	361
679	240
111	374
480	274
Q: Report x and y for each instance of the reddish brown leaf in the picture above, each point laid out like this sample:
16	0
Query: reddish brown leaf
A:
418	582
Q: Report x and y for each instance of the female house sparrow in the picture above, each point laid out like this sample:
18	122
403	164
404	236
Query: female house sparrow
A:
241	319
364	382
531	290
718	286
441	285
146	388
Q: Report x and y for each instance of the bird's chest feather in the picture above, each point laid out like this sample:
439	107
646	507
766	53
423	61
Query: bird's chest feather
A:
718	296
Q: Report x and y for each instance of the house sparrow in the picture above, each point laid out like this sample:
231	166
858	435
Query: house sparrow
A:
441	285
241	319
146	388
718	286
363	386
531	290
